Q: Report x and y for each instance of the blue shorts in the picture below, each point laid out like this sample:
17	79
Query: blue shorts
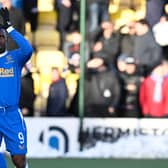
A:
14	132
2	161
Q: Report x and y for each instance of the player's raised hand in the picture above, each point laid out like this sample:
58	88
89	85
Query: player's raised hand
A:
4	13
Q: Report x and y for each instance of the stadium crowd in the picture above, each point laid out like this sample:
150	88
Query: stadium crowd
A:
126	67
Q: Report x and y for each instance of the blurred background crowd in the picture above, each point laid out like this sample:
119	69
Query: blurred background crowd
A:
126	57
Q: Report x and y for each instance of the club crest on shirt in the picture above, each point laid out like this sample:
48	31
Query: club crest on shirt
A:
9	59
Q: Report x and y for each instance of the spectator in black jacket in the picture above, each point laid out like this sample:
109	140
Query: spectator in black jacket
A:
127	39
108	45
102	90
130	82
27	96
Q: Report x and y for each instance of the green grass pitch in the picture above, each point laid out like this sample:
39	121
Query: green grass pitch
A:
95	163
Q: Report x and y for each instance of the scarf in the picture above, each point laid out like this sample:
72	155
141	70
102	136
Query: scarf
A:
157	96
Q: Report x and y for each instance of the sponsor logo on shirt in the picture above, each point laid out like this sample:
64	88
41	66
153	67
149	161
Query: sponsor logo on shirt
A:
6	72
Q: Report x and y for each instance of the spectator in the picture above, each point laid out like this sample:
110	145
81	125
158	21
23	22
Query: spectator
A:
128	39
129	105
121	67
72	45
56	102
160	32
73	77
97	13
153	94
147	52
107	46
102	90
75	15
65	9
30	9
27	97
154	10
121	64
17	20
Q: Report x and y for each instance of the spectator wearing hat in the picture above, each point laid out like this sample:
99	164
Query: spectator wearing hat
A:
130	81
102	90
